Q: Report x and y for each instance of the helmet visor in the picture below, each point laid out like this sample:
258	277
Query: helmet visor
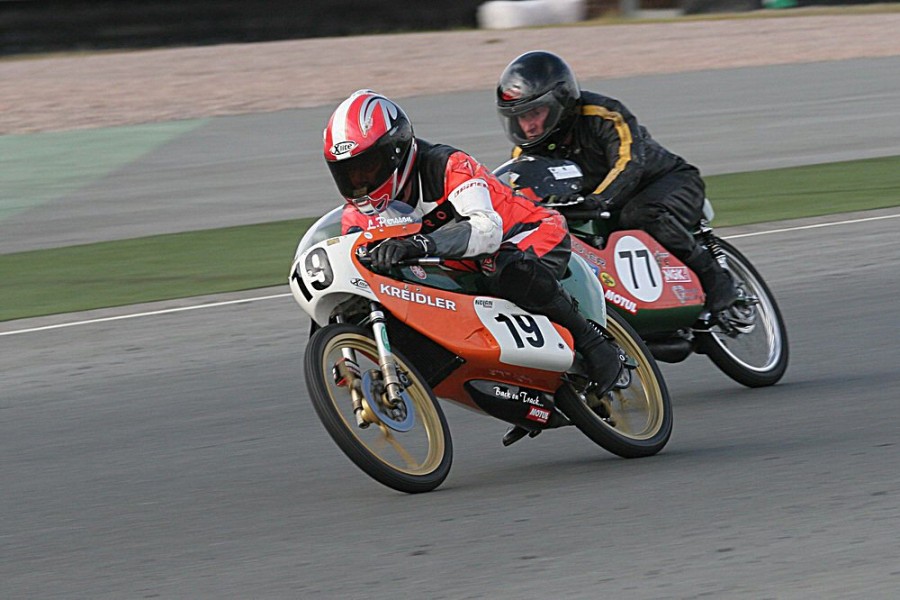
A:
531	122
362	175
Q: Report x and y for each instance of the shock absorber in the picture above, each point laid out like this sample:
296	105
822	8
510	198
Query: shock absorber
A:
705	234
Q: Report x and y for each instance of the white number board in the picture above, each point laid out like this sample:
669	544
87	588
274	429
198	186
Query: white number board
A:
637	269
525	339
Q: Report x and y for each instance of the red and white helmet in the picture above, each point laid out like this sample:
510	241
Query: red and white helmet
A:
370	149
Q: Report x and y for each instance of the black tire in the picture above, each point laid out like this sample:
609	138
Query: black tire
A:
412	461
631	422
759	357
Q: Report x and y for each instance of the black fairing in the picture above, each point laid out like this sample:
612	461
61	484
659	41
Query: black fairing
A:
528	408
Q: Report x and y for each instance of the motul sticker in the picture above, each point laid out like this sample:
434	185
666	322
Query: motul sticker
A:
629	305
541	415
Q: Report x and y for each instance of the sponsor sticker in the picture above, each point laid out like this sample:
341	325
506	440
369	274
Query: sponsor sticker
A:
541	415
343	147
676	274
607	279
621	301
587	255
685	295
418	272
382	221
526	396
417	297
565	172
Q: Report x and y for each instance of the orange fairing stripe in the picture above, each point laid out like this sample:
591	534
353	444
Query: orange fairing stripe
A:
624	141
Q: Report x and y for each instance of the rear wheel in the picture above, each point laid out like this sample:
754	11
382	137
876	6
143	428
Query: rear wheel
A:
634	419
405	447
750	345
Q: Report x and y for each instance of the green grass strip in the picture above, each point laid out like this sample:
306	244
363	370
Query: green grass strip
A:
146	269
162	267
809	191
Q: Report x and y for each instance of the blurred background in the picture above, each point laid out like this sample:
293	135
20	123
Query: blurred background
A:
65	25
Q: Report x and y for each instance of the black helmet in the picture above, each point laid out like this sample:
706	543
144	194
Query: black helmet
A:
532	81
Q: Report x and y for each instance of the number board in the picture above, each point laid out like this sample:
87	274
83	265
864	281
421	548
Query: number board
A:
525	339
637	269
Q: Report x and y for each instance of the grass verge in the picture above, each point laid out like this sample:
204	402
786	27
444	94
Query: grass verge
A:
162	267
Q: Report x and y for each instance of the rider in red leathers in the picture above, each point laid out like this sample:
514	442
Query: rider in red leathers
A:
467	213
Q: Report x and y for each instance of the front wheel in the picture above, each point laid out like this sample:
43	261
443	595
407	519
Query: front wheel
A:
751	345
634	419
405	447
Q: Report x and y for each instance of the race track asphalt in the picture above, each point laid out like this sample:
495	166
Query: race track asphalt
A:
177	456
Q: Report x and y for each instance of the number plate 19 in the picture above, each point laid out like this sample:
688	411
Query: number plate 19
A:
525	339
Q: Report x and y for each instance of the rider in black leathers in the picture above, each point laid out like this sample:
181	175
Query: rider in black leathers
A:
626	171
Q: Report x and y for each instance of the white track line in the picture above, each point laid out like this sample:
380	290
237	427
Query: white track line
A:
743	235
272	297
142	314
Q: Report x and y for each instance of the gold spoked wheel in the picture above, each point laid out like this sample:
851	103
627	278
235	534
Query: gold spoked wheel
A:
404	447
634	419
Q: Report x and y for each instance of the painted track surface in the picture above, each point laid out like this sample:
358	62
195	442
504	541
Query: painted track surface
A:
268	167
177	456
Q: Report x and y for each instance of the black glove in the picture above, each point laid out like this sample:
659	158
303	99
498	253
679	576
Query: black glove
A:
591	206
390	252
596	202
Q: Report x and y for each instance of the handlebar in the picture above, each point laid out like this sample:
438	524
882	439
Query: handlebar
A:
585	214
424	260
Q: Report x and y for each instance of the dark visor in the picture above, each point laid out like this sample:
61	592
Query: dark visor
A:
363	174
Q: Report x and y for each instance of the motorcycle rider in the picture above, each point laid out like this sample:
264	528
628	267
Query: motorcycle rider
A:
626	172
467	213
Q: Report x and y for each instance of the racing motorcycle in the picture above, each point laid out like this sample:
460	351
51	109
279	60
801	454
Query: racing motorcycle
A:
657	293
385	346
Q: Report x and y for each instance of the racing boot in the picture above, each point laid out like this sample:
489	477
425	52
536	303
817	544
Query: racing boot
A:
604	366
717	283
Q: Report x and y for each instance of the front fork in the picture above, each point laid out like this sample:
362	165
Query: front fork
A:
348	368
386	363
